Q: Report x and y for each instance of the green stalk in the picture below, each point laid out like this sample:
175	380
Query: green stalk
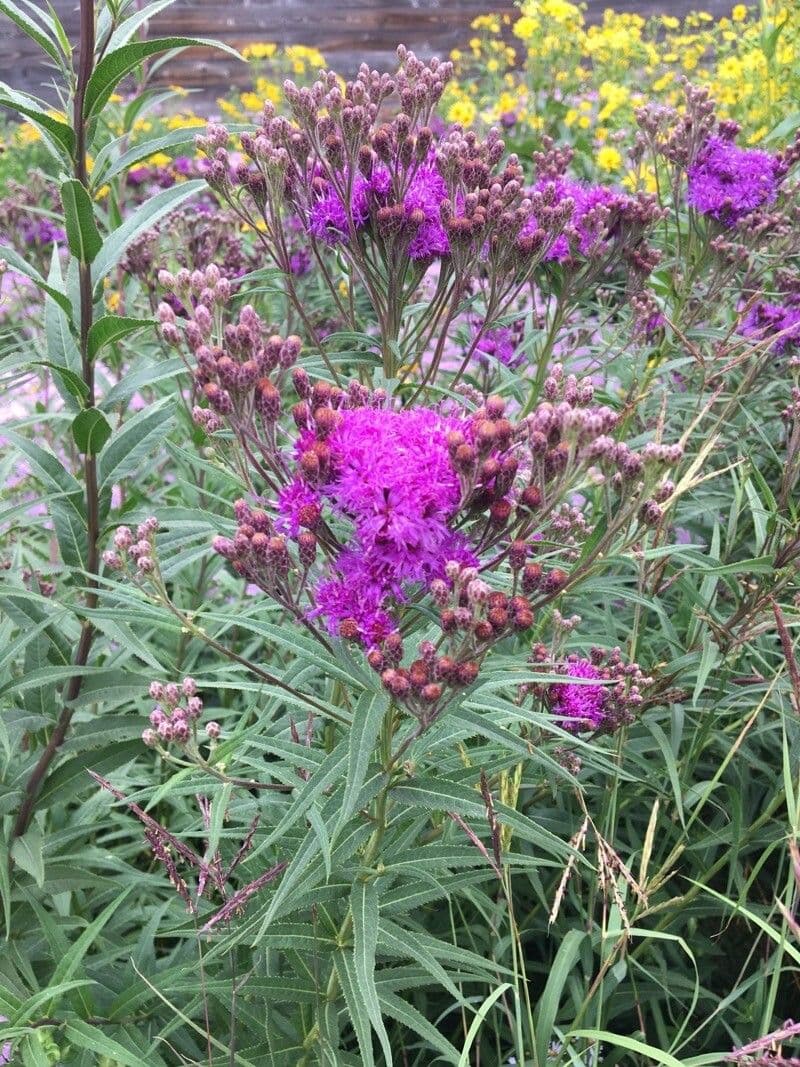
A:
92	496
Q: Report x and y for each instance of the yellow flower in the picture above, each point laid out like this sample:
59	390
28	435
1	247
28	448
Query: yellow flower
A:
525	28
251	101
183	121
670	22
102	192
463	112
159	159
739	13
229	109
645	179
268	90
263	50
660	84
609	159
113	300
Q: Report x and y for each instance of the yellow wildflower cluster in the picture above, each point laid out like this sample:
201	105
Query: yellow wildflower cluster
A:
591	78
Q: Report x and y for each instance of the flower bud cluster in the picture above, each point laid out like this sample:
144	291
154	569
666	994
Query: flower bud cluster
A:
260	554
134	550
175	714
472	617
172	717
239	369
603	693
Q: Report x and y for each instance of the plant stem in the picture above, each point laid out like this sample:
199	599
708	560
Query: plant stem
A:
86	639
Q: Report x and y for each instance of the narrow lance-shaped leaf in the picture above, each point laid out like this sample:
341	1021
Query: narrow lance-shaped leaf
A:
90	430
82	234
143	218
30	28
112	328
131	443
35	110
113	67
16	262
365	911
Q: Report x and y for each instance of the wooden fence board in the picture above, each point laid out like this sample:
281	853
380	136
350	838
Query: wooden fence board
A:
347	33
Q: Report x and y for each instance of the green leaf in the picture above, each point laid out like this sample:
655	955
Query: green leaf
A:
68	964
146	374
85	1036
91	431
133	441
62	348
70	383
475	1025
128	27
143	218
650	1052
26	852
82	234
359	1017
408	1016
34	110
112	328
30	29
367	718
547	1008
72	776
16	262
365	911
113	67
106	167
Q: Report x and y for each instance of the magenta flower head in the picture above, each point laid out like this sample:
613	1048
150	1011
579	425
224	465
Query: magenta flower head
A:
578	706
773	320
727	182
391	477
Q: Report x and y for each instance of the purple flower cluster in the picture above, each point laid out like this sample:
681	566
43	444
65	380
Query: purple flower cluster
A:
773	320
587	209
392	478
42	231
579	706
418	211
501	343
172	718
727	182
605	693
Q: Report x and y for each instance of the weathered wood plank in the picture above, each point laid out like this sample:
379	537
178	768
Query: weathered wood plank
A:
347	33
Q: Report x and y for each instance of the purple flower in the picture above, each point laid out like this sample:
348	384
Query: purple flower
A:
393	480
585	199
291	501
354	596
728	182
425	193
328	221
300	262
500	343
5	1048
578	707
42	231
766	320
